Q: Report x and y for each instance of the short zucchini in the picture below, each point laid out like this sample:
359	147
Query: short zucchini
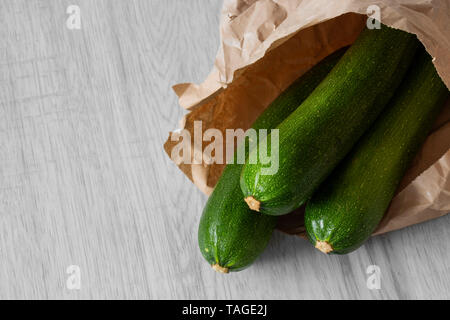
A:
349	205
230	236
317	135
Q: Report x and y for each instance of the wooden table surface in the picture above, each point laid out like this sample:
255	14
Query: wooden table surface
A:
88	196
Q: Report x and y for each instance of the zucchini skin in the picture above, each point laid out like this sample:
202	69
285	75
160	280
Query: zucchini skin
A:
316	136
230	235
348	207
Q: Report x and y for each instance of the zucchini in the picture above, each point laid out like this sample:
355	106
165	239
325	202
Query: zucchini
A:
348	207
317	135
230	237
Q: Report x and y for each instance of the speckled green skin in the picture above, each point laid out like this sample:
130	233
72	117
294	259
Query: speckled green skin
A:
316	136
230	234
349	205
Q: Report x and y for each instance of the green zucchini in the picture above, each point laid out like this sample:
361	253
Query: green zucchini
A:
349	205
230	236
317	135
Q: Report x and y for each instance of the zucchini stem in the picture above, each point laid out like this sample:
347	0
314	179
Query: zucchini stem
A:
253	203
324	246
220	269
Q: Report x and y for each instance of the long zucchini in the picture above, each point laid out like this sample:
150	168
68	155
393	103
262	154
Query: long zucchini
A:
349	205
230	236
317	135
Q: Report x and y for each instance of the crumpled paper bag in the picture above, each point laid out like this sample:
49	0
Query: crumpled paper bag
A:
267	44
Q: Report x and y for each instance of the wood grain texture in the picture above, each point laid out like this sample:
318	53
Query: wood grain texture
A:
84	179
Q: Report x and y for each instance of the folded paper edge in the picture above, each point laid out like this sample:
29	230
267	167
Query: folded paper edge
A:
191	94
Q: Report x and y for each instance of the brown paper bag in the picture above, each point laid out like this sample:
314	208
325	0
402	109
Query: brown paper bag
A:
266	45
